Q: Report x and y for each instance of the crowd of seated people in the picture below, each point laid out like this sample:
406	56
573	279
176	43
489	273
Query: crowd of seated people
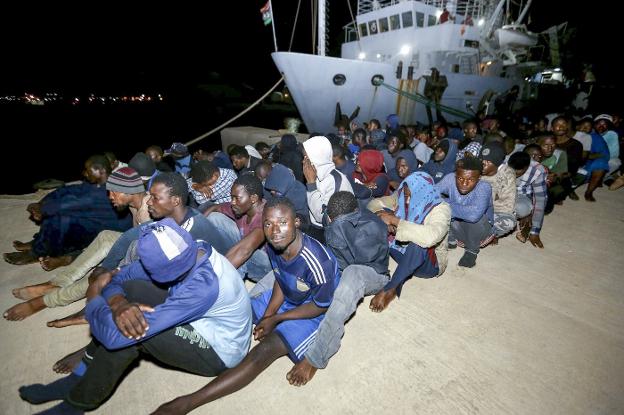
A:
160	250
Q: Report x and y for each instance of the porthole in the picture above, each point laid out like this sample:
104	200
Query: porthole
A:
377	80
339	79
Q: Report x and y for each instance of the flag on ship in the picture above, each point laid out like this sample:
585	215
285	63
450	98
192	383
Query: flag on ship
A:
267	15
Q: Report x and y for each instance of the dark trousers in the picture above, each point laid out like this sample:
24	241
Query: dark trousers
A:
59	235
417	261
181	347
471	234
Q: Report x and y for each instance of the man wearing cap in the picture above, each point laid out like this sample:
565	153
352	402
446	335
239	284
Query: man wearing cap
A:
181	157
125	190
502	178
181	302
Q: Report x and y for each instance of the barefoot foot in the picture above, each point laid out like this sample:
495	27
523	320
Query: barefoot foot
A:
32	291
22	246
20	258
22	310
71	320
69	362
50	263
382	299
301	373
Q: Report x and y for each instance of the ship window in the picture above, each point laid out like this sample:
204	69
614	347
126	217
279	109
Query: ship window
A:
377	80
372	27
407	19
432	20
363	30
339	79
394	22
383	24
420	19
471	44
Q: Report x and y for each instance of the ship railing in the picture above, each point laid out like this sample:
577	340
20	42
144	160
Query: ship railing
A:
476	9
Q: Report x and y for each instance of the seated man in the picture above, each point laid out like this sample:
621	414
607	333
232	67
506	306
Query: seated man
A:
181	302
209	184
471	209
242	161
442	160
238	227
358	239
281	182
126	190
418	222
502	178
71	217
286	317
398	173
323	180
531	197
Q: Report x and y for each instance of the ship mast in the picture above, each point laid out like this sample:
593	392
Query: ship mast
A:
322	35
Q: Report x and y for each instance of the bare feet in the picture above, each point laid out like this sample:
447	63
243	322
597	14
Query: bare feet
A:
32	291
589	197
49	263
381	300
20	258
22	310
22	246
71	320
69	362
301	373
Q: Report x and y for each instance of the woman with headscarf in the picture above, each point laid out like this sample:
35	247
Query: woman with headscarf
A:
369	171
418	224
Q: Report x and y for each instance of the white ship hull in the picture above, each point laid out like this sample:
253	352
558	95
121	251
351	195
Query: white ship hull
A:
310	81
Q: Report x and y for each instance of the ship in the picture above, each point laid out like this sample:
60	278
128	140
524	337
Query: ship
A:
404	57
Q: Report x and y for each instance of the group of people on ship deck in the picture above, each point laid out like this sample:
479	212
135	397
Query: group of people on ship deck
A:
161	247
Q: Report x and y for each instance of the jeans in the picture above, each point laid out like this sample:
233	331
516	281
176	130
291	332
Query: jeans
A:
226	235
357	281
471	234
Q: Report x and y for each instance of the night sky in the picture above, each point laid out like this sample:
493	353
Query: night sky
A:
116	45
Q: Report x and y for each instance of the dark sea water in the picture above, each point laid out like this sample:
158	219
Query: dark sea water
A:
53	141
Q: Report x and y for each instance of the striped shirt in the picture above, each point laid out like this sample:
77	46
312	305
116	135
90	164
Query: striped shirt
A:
533	185
312	275
221	190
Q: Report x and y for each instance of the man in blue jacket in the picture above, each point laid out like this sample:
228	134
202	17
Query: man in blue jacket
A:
182	303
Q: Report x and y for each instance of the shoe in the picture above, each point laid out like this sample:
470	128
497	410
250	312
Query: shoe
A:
573	196
617	183
469	260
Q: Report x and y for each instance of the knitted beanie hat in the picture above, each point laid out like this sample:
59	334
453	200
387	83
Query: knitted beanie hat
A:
125	180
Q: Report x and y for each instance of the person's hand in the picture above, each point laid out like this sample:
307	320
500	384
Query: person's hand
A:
97	284
264	327
536	241
309	171
175	407
35	211
388	217
130	320
371	186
